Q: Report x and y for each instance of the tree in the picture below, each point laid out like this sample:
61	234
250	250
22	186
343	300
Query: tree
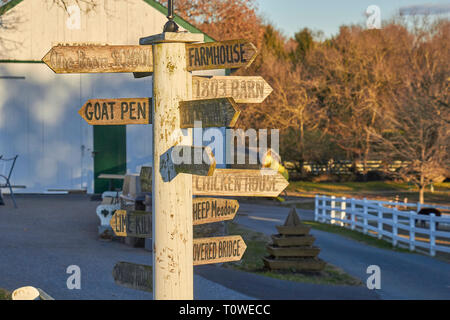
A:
419	122
222	19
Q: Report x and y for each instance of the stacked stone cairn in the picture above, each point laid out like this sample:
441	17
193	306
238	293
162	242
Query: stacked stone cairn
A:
292	248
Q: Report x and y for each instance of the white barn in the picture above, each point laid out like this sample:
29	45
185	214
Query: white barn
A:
39	118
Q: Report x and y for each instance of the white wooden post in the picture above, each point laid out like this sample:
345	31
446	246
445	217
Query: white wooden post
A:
343	213
324	209
380	222
316	208
412	231
333	212
352	213
432	235
172	200
365	213
394	227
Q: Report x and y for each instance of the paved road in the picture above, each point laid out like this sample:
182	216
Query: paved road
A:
403	275
46	234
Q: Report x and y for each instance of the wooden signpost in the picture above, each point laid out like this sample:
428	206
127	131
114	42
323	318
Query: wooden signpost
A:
117	111
178	101
131	224
209	210
220	112
99	59
218	249
240	183
220	55
133	276
241	89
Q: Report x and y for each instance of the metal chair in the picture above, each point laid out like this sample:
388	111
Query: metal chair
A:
5	176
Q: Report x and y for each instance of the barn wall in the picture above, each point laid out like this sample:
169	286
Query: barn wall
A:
39	121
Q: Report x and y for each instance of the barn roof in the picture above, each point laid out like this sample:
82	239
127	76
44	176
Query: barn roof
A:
158	6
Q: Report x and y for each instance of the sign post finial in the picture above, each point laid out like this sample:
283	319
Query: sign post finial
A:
170	25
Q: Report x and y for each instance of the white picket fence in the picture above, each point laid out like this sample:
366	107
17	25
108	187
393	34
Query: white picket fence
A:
372	218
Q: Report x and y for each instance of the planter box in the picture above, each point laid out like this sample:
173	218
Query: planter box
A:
281	241
300	265
293	251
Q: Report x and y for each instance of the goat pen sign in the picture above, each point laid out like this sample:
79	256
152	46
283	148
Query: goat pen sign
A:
117	111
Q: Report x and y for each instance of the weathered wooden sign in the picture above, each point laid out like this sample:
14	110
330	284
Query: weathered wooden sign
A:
221	112
240	182
208	210
220	55
241	89
187	159
131	224
117	111
218	249
99	59
133	276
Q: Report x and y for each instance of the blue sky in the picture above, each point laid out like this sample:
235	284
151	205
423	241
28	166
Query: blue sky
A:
327	15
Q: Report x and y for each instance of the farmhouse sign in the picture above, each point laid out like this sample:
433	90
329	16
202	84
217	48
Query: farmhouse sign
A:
240	183
208	210
220	55
241	89
117	111
221	112
218	249
131	224
99	59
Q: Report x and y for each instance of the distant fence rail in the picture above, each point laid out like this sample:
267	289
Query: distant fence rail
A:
343	166
385	219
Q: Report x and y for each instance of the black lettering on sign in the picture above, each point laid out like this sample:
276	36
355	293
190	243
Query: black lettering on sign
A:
87	112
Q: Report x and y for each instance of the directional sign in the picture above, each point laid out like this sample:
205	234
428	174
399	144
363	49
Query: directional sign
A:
220	55
133	276
187	159
208	210
221	112
241	89
240	183
132	224
218	249
99	59
117	111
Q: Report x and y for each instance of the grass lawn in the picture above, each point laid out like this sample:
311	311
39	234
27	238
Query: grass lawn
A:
256	250
4	294
373	189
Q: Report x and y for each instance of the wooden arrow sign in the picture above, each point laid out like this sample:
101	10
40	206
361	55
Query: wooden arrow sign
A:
117	111
240	183
208	210
131	224
220	55
133	276
241	89
221	112
187	159
99	59
218	249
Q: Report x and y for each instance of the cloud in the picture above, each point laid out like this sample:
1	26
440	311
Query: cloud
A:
425	9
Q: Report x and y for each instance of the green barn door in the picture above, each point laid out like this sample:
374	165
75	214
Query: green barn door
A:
110	155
